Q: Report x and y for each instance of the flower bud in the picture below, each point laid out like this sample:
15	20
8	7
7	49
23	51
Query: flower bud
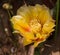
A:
7	6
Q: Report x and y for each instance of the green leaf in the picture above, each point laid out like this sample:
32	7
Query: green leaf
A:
57	16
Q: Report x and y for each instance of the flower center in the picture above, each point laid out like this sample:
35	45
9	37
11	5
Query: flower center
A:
35	26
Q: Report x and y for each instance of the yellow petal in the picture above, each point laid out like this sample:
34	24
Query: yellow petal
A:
44	16
47	27
21	26
27	42
38	39
36	44
24	12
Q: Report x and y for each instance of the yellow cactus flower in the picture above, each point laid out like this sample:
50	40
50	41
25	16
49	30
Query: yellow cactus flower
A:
34	23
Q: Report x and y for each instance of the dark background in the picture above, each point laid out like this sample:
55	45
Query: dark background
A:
53	45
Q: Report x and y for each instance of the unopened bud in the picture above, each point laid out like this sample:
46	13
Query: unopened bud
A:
7	6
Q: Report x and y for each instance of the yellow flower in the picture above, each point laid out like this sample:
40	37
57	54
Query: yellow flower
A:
34	23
